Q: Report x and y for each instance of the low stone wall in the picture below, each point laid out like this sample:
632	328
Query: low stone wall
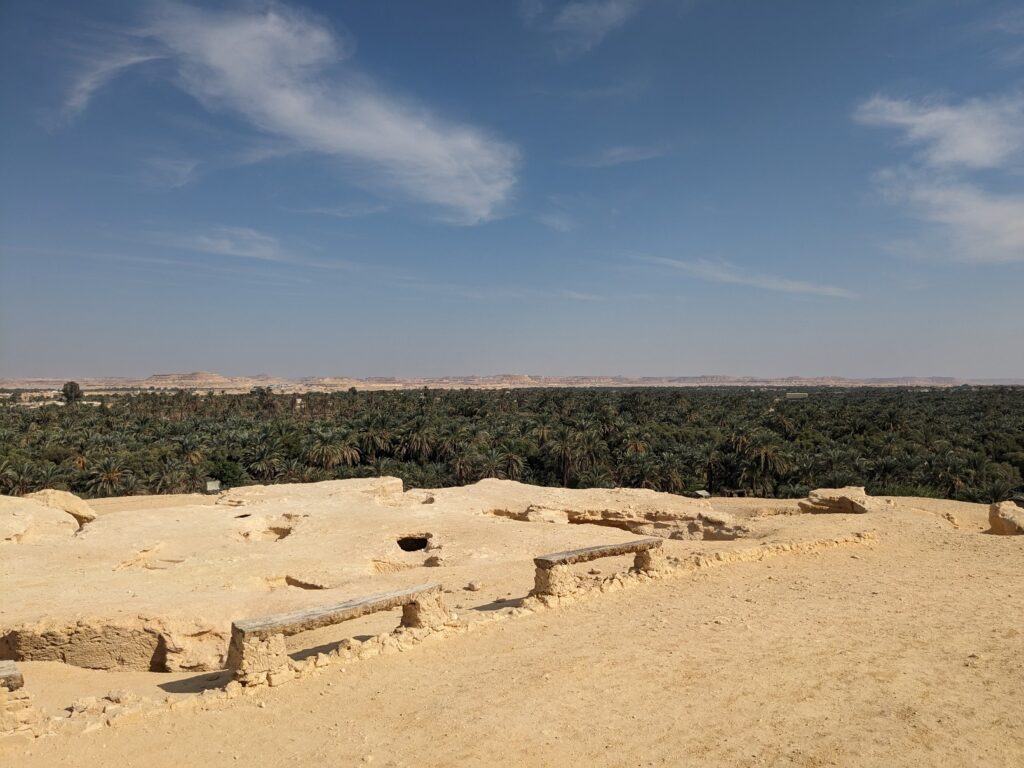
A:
17	713
148	645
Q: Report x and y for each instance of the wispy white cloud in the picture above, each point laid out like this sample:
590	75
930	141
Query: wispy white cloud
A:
177	172
276	69
1008	28
979	133
580	296
98	70
189	268
723	272
975	225
240	242
618	155
943	187
584	24
277	277
530	11
346	210
170	171
498	292
616	90
559	221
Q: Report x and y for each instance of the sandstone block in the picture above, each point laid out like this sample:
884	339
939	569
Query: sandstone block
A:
852	500
66	502
1006	519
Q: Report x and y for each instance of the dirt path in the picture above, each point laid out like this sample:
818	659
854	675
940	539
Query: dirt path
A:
908	653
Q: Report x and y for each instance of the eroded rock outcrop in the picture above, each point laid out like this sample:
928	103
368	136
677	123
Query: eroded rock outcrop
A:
138	643
27	519
852	500
699	520
1006	519
66	502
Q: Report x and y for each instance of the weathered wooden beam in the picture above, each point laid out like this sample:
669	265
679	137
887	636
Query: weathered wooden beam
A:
302	621
10	677
586	554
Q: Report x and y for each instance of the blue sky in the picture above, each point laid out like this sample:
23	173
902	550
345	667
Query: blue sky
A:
586	187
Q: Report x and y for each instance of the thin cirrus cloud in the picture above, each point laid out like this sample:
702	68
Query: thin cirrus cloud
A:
530	10
558	221
170	171
723	272
1008	29
241	243
582	25
943	184
974	224
271	68
620	155
98	73
346	210
175	172
617	90
980	133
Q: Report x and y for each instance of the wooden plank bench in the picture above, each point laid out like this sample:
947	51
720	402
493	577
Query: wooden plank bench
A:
10	677
258	649
553	576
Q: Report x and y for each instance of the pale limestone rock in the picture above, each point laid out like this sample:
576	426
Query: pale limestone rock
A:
66	502
852	500
1006	518
30	521
280	677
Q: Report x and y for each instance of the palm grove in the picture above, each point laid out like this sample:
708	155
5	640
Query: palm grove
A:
964	443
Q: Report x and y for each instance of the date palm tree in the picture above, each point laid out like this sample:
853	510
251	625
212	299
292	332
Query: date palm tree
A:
108	477
263	459
7	476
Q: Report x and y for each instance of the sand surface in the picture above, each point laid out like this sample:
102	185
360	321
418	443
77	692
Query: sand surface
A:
905	651
155	582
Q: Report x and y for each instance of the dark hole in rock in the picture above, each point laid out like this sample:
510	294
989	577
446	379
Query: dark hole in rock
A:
414	543
247	514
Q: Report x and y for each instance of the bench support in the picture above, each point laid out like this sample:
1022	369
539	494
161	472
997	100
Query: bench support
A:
557	580
650	560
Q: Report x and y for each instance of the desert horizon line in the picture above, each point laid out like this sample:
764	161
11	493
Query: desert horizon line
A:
10	380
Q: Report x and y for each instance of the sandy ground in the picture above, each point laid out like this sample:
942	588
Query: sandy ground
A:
906	652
